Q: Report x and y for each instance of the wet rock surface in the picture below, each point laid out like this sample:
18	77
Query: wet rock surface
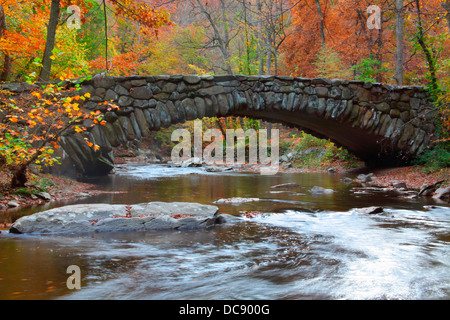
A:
107	217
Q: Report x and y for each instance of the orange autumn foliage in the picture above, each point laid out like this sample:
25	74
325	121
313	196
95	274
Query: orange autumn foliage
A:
124	64
33	124
141	12
345	32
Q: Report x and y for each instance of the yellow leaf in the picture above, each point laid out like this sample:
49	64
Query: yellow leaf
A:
87	95
36	94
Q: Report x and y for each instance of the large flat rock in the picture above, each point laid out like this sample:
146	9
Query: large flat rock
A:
107	217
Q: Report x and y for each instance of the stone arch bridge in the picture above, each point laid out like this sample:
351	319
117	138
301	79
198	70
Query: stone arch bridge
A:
381	124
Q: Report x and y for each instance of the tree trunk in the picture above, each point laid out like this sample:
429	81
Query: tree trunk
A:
50	44
379	55
19	177
241	122
226	41
19	174
400	47
6	68
4	72
322	25
259	34
431	63
268	61
269	130
221	128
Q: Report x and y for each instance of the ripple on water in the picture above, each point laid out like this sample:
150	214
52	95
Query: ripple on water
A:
295	255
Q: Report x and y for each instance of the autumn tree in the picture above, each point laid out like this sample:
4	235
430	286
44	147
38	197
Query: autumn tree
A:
133	20
329	64
400	47
7	59
31	129
302	47
22	37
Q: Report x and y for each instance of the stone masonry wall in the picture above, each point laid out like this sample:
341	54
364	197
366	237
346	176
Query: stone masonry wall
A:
380	122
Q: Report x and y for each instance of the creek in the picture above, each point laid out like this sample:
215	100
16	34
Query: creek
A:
305	246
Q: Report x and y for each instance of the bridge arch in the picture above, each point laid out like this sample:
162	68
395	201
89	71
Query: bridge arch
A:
381	124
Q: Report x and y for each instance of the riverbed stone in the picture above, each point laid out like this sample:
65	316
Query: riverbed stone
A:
370	210
118	217
321	190
443	193
44	195
12	204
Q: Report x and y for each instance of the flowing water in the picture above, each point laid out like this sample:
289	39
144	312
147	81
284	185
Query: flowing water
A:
306	246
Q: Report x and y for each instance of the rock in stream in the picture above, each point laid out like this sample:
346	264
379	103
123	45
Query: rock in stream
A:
108	217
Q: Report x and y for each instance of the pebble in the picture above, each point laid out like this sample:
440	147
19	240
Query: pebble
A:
12	204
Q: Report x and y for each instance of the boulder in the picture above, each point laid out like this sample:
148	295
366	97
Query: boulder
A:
12	204
107	217
365	177
427	190
44	195
399	185
217	169
189	163
319	190
370	210
347	180
443	193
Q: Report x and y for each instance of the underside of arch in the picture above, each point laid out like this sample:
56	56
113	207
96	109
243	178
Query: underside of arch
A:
355	140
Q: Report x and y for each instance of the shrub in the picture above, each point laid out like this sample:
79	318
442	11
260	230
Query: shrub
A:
436	158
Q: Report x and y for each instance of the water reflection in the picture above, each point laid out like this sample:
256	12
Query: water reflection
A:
143	183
